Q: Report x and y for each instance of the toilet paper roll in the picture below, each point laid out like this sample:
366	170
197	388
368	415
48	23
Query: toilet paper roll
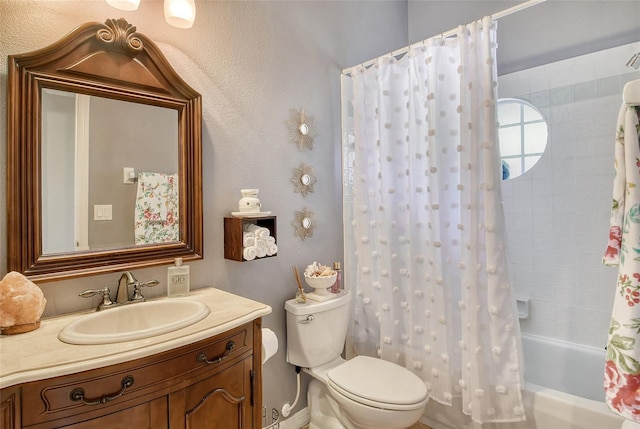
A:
269	344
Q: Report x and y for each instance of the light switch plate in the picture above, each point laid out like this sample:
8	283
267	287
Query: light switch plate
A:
128	175
102	212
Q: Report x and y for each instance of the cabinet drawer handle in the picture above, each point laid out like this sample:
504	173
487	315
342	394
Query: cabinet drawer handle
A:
202	357
78	394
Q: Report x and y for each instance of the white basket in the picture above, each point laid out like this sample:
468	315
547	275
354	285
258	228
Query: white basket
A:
275	419
274	425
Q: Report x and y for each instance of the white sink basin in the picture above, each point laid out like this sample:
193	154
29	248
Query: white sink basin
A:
134	321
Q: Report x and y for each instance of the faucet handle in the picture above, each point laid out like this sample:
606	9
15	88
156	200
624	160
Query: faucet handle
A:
106	298
137	289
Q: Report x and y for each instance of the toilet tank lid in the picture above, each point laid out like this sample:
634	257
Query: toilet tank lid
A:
379	381
309	307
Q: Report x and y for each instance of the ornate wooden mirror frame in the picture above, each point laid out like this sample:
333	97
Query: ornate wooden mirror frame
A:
108	60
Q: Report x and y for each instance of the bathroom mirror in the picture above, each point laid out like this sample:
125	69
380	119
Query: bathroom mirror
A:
84	114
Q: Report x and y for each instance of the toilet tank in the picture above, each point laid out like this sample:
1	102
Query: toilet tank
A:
316	331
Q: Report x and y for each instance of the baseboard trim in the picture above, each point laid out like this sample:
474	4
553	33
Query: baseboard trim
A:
297	421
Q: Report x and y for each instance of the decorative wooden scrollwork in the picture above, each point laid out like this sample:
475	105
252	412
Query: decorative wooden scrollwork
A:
120	36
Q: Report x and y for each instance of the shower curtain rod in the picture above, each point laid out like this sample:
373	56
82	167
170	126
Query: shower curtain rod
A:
402	51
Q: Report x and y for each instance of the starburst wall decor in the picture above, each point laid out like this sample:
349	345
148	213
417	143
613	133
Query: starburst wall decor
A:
303	223
303	179
302	129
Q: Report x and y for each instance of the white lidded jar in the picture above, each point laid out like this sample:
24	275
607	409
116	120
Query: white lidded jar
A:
249	203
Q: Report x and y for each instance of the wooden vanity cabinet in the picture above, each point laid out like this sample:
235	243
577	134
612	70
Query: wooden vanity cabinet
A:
10	408
213	383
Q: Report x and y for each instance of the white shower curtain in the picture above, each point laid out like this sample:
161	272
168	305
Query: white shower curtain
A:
432	291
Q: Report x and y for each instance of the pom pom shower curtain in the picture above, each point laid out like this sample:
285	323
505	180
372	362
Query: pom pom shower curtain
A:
431	286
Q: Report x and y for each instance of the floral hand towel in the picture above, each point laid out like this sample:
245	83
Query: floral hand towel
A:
156	214
622	371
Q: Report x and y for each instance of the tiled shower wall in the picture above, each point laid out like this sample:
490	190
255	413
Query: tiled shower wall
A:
557	214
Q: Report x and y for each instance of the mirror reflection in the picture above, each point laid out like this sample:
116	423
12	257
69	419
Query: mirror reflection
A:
87	201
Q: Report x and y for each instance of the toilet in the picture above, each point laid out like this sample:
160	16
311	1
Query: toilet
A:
360	393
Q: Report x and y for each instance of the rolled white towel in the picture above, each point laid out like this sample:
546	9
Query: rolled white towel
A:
270	240
259	231
249	227
248	239
262	232
261	243
250	253
262	251
272	249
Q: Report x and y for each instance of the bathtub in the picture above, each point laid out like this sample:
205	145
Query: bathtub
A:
564	390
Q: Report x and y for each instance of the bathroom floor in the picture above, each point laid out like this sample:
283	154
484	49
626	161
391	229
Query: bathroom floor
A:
416	426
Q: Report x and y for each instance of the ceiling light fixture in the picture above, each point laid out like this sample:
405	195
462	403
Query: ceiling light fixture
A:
124	4
180	13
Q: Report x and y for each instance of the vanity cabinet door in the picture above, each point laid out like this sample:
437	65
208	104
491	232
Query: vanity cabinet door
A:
10	408
221	401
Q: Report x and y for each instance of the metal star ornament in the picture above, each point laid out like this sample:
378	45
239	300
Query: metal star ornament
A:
303	223
302	129
303	179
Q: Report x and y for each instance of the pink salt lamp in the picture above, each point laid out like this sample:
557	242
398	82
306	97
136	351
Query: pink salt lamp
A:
21	304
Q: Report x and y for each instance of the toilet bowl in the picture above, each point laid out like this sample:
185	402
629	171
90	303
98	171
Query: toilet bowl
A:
361	393
628	424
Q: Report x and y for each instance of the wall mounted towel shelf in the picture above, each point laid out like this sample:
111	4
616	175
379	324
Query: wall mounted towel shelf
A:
233	235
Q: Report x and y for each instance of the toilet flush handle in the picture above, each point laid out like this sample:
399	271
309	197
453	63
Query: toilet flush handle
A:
309	319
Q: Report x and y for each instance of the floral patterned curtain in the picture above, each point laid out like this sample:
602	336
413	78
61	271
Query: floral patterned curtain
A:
622	371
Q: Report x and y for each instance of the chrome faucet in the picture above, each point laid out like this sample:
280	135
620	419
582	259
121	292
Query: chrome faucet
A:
126	280
122	293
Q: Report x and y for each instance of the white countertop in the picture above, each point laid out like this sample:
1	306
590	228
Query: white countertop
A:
39	354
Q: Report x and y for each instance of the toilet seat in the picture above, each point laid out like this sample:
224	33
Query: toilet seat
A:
378	383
